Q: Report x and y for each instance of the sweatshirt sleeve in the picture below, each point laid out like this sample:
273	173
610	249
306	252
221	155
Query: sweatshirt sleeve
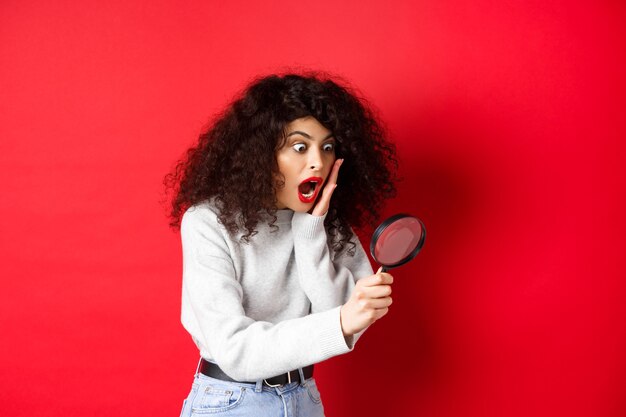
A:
327	280
213	313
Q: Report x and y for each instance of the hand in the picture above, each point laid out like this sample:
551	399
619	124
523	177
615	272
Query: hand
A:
321	207
370	300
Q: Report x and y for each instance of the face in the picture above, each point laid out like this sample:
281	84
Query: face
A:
305	161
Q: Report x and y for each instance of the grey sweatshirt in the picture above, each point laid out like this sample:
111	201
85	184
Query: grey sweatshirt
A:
272	305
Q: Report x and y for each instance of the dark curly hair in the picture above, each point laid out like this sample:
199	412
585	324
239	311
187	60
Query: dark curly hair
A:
234	162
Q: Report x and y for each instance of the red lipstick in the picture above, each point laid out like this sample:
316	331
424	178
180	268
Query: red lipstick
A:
309	189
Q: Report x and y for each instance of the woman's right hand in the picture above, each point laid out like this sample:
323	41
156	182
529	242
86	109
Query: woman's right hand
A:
369	301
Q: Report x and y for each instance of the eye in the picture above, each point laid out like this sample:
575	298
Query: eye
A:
329	147
299	147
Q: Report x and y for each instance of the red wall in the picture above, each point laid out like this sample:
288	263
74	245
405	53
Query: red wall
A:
509	118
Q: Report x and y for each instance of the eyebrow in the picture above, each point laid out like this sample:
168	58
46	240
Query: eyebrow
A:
306	135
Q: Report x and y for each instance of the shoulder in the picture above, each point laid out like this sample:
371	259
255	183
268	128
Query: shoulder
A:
201	216
206	209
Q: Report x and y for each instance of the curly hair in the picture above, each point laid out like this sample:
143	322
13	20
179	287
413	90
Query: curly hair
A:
234	162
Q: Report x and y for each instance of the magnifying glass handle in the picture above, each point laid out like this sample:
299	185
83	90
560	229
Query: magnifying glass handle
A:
384	269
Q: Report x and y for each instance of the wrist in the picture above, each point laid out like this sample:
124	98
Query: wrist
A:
342	322
308	226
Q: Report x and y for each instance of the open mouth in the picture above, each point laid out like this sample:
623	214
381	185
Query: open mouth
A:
309	188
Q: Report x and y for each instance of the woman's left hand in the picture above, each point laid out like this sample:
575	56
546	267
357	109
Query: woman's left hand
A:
321	207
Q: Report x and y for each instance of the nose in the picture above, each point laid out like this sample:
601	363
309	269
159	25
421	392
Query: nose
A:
315	160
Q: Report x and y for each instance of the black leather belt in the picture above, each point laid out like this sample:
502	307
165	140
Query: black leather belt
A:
210	369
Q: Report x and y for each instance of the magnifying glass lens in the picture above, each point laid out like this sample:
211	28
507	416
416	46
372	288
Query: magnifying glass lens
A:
397	240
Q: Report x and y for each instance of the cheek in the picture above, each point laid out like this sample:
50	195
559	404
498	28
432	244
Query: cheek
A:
329	164
288	165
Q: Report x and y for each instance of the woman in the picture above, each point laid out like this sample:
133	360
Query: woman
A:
274	278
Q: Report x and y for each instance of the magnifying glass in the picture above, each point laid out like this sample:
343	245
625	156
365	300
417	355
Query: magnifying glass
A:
397	240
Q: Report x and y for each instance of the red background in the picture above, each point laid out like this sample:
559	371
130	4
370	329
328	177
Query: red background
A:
509	120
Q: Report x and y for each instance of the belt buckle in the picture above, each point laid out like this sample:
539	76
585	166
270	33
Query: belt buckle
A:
279	385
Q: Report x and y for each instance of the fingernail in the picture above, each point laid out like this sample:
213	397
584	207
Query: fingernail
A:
379	269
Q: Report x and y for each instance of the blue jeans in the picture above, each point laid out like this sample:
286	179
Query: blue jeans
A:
210	396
